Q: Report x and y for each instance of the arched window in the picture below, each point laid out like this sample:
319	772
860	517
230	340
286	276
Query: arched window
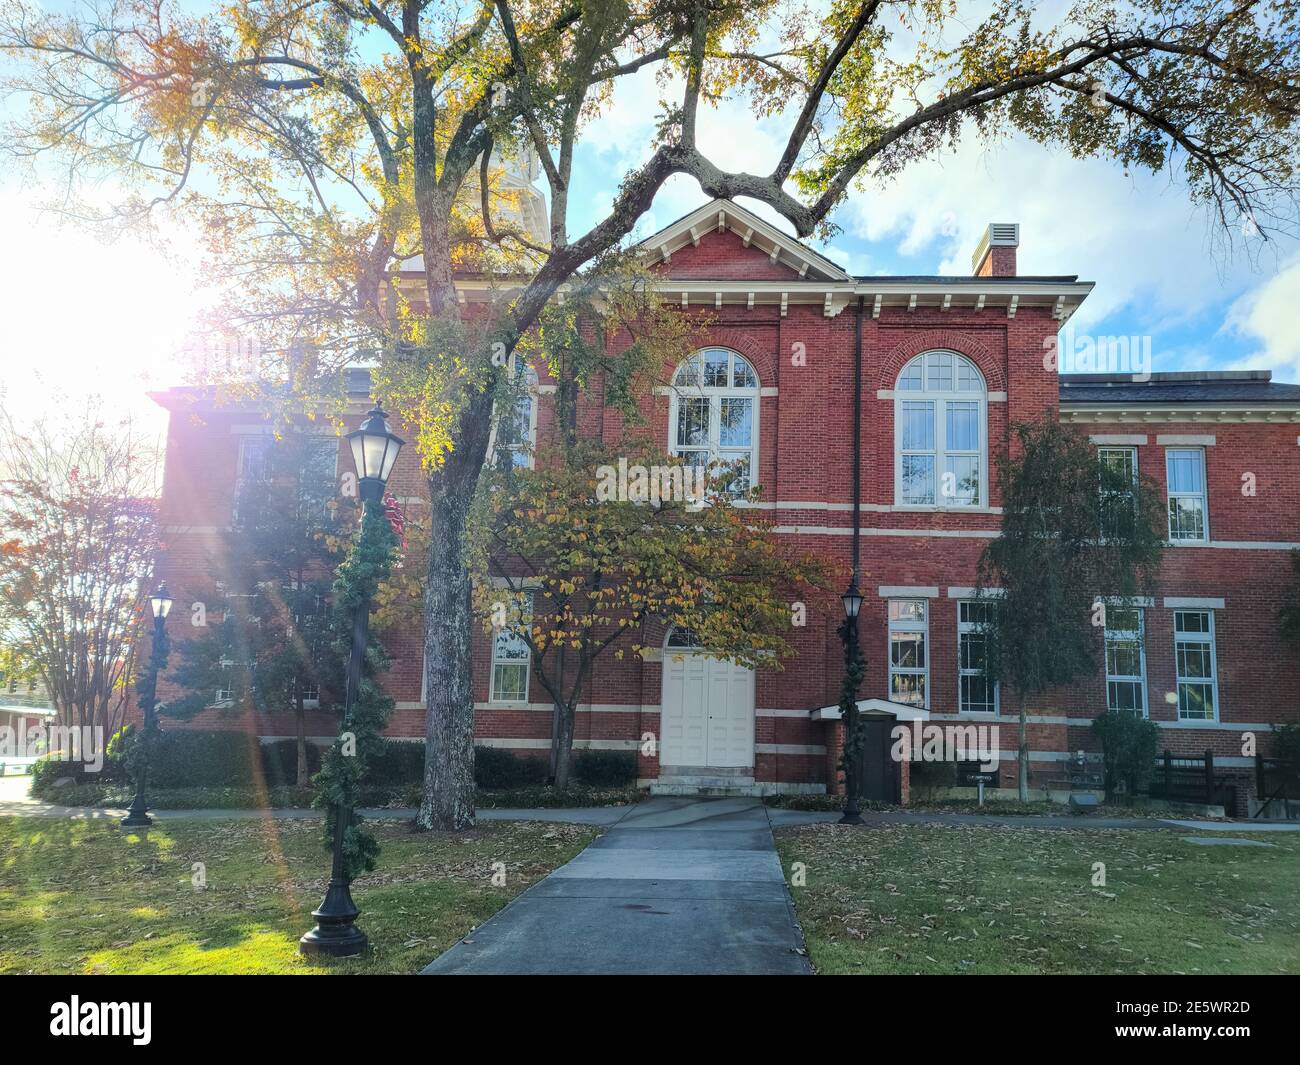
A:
682	639
713	416
940	432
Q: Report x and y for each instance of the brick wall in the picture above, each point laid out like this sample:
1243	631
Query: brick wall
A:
805	467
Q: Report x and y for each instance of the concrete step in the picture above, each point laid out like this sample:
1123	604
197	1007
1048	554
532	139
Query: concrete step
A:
700	785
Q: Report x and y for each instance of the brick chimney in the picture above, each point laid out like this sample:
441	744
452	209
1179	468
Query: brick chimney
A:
996	254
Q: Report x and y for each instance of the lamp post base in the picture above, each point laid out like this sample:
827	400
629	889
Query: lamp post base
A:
137	816
336	934
851	818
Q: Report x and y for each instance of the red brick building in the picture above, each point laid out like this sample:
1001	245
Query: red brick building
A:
947	364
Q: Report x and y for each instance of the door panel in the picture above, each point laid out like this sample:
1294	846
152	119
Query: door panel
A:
707	713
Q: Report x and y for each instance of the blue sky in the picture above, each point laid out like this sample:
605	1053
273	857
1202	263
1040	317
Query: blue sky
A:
87	318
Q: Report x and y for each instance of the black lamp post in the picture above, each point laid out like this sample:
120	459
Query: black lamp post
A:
160	603
374	451
852	600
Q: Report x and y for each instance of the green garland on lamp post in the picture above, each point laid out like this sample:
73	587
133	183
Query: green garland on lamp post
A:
366	708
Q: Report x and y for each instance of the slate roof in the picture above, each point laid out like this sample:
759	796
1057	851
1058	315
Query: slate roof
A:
1247	387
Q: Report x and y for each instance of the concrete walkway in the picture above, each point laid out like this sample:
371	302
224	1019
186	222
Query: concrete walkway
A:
676	886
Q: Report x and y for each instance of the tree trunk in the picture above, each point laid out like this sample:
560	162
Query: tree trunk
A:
448	800
1022	755
300	720
563	744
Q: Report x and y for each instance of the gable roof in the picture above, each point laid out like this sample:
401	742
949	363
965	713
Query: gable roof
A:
717	215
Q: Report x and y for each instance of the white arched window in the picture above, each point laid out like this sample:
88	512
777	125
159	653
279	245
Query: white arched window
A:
713	416
940	433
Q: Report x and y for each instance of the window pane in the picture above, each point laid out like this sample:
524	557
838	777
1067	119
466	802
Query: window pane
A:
968	378
1122	460
918	426
907	688
1185	471
972	651
1123	658
742	374
715	367
1191	621
689	372
738	460
1124	695
962	486
907	650
510	683
977	695
918	478
907	610
1186	518
693	420
938	372
1122	619
736	425
1194	660
1195	701
910	379
963	426
697	459
973	613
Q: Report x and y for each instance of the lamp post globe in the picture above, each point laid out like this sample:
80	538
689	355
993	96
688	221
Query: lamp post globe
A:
374	452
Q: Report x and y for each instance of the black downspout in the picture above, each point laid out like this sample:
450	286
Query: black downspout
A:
857	435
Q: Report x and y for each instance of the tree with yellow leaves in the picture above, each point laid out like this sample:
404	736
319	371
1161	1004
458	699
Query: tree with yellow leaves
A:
318	144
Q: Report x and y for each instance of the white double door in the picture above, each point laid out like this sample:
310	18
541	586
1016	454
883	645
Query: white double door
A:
707	713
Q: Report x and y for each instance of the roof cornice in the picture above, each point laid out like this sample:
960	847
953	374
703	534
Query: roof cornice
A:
1192	411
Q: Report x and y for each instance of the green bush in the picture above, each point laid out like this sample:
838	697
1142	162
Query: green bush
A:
932	774
605	769
495	768
1128	745
188	758
280	762
400	762
46	771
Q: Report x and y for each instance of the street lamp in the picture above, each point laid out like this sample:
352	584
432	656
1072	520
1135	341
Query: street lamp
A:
374	450
852	600
160	603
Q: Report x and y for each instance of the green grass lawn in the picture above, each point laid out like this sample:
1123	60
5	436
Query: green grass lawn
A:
975	899
86	897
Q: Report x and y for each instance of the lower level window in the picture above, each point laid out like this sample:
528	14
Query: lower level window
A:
977	692
1198	695
510	664
908	662
1126	687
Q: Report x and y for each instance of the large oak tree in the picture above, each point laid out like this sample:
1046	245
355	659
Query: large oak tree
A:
321	142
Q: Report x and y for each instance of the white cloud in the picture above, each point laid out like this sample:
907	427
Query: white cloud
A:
1269	316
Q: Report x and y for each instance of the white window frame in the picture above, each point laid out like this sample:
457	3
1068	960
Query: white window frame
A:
941	400
1203	495
715	395
1114	635
909	625
1132	453
225	696
528	445
507	634
263	442
968	628
1203	638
